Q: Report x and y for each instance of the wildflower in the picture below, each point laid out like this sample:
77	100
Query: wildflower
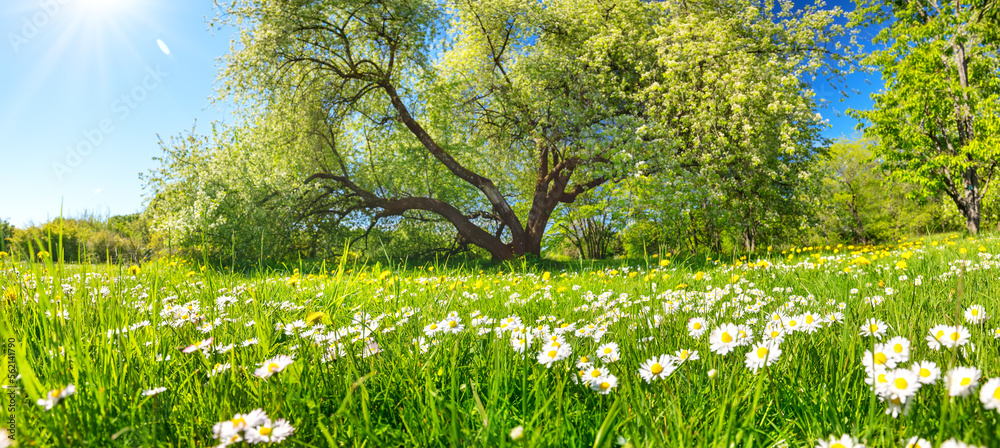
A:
723	339
273	365
975	314
989	394
685	355
898	348
269	432
229	431
452	325
432	328
901	385
961	381
219	368
927	372
761	355
517	433
657	368
608	352
552	353
200	345
918	442
592	374
936	335
54	396
604	384
844	441
956	336
953	443
810	322
712	373
880	358
153	391
697	327
873	327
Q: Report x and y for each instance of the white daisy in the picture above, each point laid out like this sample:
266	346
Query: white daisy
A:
657	368
961	381
273	365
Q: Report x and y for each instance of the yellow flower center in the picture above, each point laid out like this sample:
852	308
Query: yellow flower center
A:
239	422
774	333
434	326
965	381
272	367
898	348
452	324
595	373
696	326
607	351
880	358
584	359
726	337
56	393
792	323
656	369
900	383
684	354
939	335
881	378
564	325
872	328
809	319
553	353
762	352
235	438
925	373
605	386
837	445
264	431
996	393
955	336
975	312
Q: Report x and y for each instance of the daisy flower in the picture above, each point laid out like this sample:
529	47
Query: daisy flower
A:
810	322
273	365
657	368
608	352
592	374
604	384
927	372
219	368
200	345
961	381
953	443
697	327
762	354
898	348
874	328
936	336
269	432
685	355
723	339
844	441
552	353
901	385
918	442
54	396
956	336
975	314
432	328
989	394
880	358
774	332
153	391
452	325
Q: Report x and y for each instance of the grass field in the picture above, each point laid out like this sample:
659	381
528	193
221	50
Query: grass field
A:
771	351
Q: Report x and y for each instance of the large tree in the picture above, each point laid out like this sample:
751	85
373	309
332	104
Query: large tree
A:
937	121
489	114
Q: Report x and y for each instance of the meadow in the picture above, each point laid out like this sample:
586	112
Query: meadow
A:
834	347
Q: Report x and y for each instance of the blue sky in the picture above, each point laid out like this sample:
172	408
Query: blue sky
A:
87	85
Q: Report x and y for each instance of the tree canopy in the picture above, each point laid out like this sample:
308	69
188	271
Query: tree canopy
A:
487	115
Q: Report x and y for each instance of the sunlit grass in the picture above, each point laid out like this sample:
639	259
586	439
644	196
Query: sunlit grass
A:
115	332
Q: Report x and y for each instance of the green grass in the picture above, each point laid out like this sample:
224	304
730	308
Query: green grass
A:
471	389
